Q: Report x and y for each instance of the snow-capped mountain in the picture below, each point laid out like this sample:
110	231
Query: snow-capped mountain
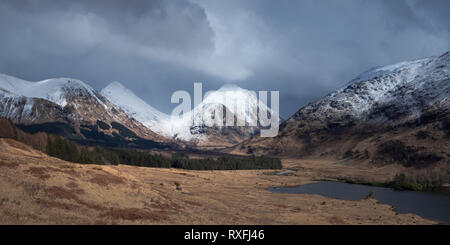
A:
413	85
74	102
382	110
229	99
63	100
55	90
240	103
125	99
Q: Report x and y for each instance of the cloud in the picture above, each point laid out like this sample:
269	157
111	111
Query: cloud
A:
169	31
304	49
308	48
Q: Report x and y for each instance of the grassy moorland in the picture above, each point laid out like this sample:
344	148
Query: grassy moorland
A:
39	189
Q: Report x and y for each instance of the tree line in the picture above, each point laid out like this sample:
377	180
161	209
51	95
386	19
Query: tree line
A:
62	148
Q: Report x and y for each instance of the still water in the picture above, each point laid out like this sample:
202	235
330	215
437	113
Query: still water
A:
429	205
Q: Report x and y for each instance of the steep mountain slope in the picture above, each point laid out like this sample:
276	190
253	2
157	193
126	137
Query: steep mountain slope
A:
68	101
397	113
229	99
126	100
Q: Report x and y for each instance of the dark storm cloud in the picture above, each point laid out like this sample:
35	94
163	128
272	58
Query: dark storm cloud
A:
305	49
308	48
140	43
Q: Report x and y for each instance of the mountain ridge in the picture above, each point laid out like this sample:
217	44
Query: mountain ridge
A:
183	128
125	99
64	100
72	101
406	107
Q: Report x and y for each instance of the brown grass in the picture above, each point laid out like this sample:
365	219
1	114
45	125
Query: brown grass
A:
72	185
43	172
8	164
105	179
336	220
70	172
134	214
38	172
63	193
91	205
19	145
60	205
193	203
148	196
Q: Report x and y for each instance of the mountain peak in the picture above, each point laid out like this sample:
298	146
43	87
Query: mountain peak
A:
446	54
115	84
388	69
54	89
230	87
115	89
125	99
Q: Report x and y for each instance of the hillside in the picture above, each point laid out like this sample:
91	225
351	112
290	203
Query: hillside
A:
393	114
126	100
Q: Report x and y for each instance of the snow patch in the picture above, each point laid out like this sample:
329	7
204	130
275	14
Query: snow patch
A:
54	90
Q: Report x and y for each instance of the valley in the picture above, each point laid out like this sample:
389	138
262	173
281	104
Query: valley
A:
72	155
38	189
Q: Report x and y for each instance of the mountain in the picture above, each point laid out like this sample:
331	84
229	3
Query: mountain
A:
233	101
67	106
74	109
126	100
397	113
230	99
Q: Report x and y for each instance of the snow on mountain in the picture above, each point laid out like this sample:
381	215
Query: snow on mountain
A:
71	100
57	99
410	86
234	98
64	100
383	70
384	107
136	107
54	90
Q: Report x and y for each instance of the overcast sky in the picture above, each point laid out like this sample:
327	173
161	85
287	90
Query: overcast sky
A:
304	49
